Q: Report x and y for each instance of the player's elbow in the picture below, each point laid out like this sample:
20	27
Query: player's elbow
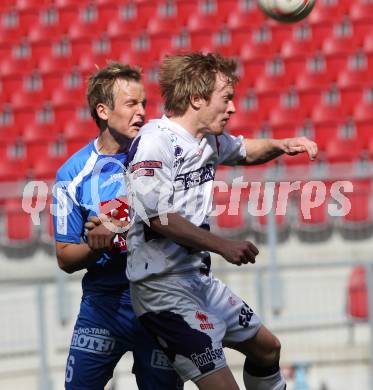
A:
64	265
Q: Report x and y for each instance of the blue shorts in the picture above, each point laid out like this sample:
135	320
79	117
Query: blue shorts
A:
106	328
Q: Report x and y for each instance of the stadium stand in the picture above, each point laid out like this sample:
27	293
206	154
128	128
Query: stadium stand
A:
313	78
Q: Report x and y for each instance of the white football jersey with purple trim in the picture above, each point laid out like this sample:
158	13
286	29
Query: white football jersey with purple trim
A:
169	170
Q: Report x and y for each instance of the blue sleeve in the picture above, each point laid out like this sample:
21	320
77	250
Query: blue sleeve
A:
68	219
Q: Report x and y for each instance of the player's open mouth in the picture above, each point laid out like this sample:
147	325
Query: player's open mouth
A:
138	124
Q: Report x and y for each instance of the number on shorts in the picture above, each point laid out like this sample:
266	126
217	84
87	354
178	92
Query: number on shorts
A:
69	368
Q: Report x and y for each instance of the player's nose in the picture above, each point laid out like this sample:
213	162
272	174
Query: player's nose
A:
231	107
141	110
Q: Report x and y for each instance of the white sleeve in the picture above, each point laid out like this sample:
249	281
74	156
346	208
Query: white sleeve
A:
231	149
149	176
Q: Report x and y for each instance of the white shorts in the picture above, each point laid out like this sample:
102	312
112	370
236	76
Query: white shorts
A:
193	316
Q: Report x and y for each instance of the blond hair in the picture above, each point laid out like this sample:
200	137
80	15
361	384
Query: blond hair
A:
182	76
101	86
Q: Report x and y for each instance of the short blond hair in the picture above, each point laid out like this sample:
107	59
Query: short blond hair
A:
101	85
185	75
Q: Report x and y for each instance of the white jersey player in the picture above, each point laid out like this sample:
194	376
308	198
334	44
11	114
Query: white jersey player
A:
170	174
179	178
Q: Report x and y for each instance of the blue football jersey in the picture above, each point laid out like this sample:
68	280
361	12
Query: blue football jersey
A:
88	184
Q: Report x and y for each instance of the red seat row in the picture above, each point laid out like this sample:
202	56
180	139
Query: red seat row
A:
313	221
310	211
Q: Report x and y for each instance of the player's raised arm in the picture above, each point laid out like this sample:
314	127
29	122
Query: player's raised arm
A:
262	150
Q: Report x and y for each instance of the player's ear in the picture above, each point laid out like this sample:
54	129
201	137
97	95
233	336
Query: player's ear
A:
102	111
196	102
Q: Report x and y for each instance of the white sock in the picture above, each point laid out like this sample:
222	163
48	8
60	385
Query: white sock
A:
272	382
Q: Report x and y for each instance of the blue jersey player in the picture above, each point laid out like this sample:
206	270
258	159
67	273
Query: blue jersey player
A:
90	183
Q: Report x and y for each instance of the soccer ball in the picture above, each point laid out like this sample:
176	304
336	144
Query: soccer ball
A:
287	11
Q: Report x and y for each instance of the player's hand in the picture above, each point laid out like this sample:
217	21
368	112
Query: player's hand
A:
239	252
101	231
95	221
294	146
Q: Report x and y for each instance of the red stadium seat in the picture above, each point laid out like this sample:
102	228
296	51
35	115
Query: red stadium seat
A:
51	82
46	168
78	134
18	67
44	48
12	170
258	51
293	48
313	81
318	32
64	97
39	140
259	224
300	159
314	223
28	99
215	9
278	83
88	62
368	44
107	12
328	12
349	96
363	112
20	233
343	150
324	132
232	210
335	63
8	85
324	114
358	78
171	17
63	4
161	45
357	295
45	33
365	132
202	41
163	26
244	121
361	11
199	23
245	19
357	223
309	98
342	45
86	31
288	131
280	32
12	36
132	17
52	65
282	116
9	137
30	4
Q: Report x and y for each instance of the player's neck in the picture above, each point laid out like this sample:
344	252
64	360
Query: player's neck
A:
109	143
188	122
